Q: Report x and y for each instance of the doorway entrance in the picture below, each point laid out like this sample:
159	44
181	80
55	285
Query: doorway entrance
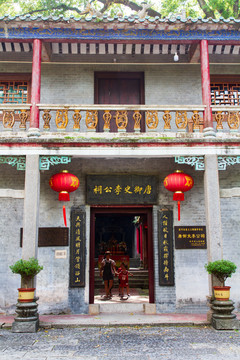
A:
126	232
126	88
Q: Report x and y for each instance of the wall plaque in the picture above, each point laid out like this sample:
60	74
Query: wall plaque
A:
165	248
77	248
50	236
190	237
121	189
60	254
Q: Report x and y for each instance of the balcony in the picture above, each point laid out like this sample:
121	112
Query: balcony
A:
56	118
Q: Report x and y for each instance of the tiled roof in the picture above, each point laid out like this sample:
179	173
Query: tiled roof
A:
118	19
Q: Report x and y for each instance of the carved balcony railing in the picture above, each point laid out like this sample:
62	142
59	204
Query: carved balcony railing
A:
121	118
14	116
226	118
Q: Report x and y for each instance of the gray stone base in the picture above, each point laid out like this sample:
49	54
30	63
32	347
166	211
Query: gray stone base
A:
228	324
25	327
27	320
222	317
209	132
33	132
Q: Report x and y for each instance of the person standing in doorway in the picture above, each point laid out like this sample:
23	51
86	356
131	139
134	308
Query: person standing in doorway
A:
107	272
123	281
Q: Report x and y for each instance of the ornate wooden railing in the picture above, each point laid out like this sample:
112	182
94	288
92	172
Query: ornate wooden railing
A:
226	118
14	116
120	118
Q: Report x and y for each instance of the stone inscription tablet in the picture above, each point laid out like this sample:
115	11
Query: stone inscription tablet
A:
165	248
50	236
77	248
190	237
121	189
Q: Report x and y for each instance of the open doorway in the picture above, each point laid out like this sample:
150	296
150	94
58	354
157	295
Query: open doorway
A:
127	233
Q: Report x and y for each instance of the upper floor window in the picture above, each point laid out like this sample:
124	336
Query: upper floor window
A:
15	89
225	90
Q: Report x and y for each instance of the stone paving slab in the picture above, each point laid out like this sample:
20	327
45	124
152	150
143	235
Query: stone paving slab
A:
111	319
118	343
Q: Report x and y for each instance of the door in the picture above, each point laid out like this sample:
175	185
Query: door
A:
119	88
107	213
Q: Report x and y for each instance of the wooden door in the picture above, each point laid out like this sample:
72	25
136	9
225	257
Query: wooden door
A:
119	88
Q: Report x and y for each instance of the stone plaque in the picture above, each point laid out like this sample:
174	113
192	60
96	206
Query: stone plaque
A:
60	254
50	236
121	189
190	237
77	248
165	248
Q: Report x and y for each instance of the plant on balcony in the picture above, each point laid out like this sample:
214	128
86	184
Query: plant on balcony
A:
222	269
27	269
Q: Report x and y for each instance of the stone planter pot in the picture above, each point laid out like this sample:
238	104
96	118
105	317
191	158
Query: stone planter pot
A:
222	293
26	295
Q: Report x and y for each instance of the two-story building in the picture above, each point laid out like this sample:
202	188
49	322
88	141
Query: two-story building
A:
120	103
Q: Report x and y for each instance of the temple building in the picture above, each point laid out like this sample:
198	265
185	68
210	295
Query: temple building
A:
120	103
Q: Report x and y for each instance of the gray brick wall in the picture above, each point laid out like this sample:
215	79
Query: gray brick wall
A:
52	282
191	280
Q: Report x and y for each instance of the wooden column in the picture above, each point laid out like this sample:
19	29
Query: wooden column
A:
36	83
206	92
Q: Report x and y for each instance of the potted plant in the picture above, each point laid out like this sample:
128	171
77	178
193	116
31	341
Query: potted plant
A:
222	269
27	269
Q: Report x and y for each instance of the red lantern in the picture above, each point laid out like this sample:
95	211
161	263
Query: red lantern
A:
64	183
178	182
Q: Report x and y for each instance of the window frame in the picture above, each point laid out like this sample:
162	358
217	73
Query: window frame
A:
224	79
26	77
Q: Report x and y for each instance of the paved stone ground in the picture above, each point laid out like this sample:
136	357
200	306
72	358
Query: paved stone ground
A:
118	343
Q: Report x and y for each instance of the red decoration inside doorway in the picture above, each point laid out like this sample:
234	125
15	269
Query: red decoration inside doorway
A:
178	182
64	183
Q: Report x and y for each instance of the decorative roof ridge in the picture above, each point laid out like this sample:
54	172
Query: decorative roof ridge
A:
128	19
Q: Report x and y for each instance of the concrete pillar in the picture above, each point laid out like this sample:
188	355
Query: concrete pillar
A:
213	212
31	207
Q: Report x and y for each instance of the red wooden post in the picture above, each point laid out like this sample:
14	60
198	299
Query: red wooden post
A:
206	92
141	242
36	83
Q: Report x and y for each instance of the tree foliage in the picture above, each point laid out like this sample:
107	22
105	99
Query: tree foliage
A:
161	8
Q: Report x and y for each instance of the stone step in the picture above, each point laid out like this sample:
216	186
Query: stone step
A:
138	280
120	308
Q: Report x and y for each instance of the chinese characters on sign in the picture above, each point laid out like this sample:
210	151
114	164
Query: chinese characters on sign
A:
77	248
190	237
165	247
121	189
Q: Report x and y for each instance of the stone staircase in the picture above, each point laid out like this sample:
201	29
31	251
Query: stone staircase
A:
138	280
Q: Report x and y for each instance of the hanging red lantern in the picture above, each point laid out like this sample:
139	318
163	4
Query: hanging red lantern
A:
64	183
178	182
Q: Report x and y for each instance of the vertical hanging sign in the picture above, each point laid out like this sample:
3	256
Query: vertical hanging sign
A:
77	248
165	248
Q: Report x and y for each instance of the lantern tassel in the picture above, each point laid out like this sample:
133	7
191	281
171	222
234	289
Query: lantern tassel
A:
63	196
179	210
64	215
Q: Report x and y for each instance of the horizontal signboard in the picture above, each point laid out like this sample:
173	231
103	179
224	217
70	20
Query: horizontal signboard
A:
121	189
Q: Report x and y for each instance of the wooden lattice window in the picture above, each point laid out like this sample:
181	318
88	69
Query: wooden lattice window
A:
14	89
13	92
225	91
